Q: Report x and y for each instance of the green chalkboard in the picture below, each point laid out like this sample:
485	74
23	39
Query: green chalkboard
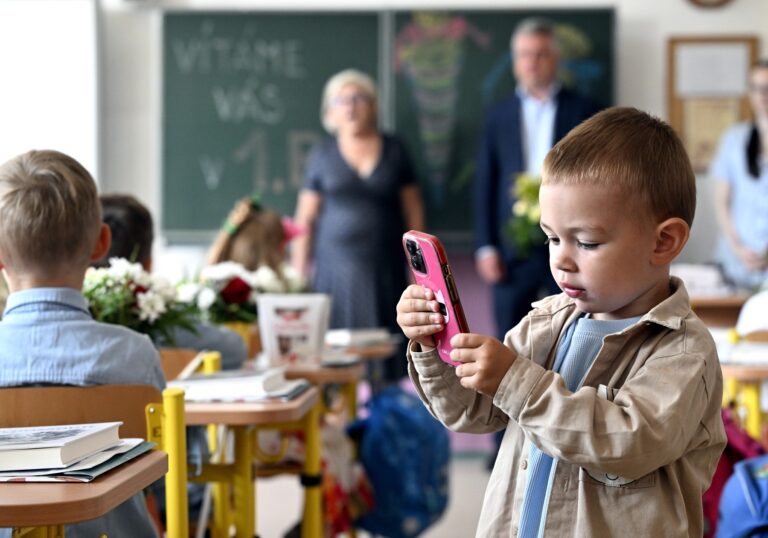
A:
242	90
451	65
241	99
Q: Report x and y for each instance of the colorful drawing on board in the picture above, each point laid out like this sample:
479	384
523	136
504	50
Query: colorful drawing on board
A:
429	51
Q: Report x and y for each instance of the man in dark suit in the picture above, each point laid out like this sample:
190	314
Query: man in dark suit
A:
518	133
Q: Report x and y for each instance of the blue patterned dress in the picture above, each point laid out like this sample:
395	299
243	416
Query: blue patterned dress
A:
357	247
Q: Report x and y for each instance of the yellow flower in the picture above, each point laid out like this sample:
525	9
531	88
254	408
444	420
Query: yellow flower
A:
521	208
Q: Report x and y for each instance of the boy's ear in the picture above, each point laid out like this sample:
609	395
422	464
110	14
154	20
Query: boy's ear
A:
101	248
671	236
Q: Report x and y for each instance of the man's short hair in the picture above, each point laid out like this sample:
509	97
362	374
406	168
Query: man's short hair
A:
634	152
50	217
131	226
534	25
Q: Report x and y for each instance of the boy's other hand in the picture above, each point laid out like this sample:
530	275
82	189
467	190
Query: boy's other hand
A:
418	314
486	361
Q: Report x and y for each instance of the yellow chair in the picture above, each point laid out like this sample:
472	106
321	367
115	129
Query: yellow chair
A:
742	386
144	411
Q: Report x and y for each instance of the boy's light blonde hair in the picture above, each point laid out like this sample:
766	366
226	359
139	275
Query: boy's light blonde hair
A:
334	85
50	217
633	151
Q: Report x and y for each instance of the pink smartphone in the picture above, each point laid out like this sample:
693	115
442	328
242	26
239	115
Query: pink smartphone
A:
429	265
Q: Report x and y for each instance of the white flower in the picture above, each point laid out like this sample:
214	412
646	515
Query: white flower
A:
122	270
164	288
294	278
187	292
266	280
223	272
151	306
205	298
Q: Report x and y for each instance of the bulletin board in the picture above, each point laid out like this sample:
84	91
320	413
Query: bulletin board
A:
707	90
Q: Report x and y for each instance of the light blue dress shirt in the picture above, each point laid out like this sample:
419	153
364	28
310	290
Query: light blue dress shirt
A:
47	336
749	204
538	127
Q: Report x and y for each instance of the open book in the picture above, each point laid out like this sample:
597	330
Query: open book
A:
240	386
47	447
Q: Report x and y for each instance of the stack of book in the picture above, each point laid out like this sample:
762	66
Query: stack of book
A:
69	453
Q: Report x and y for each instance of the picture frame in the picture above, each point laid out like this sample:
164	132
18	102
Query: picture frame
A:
707	89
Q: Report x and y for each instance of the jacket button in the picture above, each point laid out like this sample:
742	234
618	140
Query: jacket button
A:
524	465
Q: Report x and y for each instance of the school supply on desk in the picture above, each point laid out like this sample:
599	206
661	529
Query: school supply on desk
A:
293	326
240	386
429	265
48	447
357	337
87	469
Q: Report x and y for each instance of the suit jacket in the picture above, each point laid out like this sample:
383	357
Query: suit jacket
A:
501	159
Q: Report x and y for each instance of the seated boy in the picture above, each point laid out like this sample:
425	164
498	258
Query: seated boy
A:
610	391
51	230
132	235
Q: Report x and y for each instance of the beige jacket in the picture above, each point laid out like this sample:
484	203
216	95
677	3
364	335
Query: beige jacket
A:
636	446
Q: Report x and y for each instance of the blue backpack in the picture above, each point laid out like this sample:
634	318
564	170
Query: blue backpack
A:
744	502
405	453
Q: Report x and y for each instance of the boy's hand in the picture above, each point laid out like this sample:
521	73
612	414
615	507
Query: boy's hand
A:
418	314
486	361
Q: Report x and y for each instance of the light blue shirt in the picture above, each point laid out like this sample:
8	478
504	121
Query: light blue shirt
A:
575	355
47	336
749	204
538	127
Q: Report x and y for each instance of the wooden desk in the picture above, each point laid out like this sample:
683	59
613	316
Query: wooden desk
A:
300	413
54	504
345	376
718	311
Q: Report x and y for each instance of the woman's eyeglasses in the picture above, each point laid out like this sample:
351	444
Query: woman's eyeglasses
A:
350	100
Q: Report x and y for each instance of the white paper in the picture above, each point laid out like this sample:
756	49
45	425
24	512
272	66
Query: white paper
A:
711	69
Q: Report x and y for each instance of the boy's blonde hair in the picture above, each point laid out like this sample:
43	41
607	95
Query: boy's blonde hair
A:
633	151
50	217
334	85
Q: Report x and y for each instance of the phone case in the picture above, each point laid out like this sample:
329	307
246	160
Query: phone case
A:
429	265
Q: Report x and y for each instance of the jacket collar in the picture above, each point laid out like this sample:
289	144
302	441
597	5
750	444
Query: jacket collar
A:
668	313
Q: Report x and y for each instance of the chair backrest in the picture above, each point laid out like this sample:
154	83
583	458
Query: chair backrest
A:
145	412
173	360
47	406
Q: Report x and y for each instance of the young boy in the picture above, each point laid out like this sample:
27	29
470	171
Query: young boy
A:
609	392
51	226
132	235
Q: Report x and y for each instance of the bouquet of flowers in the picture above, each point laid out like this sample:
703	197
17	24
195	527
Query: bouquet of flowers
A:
523	226
226	291
125	294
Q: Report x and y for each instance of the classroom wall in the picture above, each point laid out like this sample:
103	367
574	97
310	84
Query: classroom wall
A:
130	67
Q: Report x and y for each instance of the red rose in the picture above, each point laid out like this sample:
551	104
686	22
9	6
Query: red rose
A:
237	291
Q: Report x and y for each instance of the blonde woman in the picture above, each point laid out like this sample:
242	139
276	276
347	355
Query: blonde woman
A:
359	196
